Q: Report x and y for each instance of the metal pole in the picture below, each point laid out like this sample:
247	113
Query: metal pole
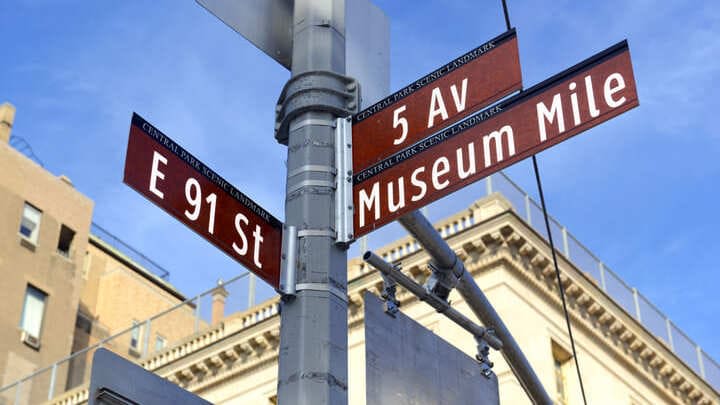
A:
313	329
448	262
251	291
18	390
53	378
146	339
701	365
197	313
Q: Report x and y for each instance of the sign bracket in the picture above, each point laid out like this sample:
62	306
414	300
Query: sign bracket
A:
344	189
318	91
288	261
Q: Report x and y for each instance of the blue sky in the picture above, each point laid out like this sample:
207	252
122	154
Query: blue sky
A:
641	191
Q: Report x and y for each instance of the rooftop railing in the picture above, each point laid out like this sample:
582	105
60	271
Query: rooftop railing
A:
129	251
634	303
627	297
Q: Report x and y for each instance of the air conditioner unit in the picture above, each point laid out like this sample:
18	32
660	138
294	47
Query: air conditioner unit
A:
30	340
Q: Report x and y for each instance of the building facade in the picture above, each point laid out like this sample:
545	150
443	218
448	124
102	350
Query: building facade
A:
43	239
62	288
54	267
622	362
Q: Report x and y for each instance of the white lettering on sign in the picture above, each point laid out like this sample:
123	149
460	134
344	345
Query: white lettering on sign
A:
610	90
402	121
437	104
371	202
443	171
155	173
419	184
242	249
437	109
554	114
613	84
497	137
193	195
435	173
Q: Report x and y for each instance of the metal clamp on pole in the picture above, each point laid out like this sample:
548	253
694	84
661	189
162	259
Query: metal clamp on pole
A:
392	304
288	261
343	191
391	272
317	91
483	355
446	268
447	261
441	282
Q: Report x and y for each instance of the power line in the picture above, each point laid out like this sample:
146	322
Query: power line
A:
552	248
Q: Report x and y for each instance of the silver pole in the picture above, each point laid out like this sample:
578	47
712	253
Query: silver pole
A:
18	391
448	262
197	313
313	329
53	378
146	339
251	291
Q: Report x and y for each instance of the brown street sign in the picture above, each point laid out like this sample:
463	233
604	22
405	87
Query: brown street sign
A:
565	105
456	89
169	176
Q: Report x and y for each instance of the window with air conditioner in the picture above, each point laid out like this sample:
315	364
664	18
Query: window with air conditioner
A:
30	223
33	312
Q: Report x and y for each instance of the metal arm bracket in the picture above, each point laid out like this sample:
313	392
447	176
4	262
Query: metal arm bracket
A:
317	91
343	190
288	261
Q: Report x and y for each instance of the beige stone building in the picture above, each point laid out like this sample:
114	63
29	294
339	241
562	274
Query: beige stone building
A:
63	288
622	360
43	238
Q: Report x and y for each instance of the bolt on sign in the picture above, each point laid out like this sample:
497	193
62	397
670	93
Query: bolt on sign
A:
176	181
562	106
485	74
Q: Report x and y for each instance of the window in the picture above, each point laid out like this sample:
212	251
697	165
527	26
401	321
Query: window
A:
33	311
135	334
159	343
561	363
30	223
65	240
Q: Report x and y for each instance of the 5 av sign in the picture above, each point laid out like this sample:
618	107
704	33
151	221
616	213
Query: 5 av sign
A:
565	105
454	90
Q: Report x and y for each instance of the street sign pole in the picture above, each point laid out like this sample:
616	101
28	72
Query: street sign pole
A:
313	331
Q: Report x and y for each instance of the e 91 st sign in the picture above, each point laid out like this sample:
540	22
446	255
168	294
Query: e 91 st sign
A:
172	178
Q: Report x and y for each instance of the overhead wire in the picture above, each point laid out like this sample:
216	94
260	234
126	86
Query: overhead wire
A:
552	248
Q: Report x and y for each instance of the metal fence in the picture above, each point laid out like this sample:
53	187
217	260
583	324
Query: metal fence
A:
627	297
137	342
